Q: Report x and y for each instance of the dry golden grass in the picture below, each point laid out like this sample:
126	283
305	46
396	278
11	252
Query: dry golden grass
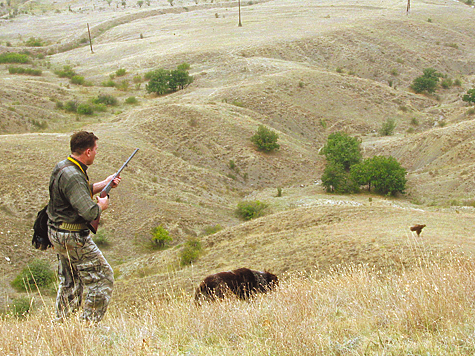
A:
352	310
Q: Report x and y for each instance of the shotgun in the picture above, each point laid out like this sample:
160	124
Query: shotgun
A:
93	225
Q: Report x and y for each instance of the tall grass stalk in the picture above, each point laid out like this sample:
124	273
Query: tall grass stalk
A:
352	310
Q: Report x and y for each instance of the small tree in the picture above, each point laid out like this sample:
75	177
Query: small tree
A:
336	179
158	82
342	149
265	139
385	174
470	96
160	236
179	79
426	82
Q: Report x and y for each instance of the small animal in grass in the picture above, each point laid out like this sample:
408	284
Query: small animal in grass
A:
241	282
417	229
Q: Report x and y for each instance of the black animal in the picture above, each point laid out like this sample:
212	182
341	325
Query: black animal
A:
242	282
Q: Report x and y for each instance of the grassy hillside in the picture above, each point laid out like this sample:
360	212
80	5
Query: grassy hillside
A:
303	68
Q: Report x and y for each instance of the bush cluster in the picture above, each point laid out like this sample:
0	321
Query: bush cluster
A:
66	72
346	172
11	57
105	99
162	81
27	71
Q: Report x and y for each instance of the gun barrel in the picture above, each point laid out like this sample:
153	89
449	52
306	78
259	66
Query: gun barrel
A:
108	187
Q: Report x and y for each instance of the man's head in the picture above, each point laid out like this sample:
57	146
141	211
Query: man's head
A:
84	146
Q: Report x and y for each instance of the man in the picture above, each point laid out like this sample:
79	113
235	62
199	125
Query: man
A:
71	208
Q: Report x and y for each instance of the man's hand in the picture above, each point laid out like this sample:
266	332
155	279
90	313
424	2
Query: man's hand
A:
115	182
103	202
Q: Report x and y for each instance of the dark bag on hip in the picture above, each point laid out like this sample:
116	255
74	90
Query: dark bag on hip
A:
40	231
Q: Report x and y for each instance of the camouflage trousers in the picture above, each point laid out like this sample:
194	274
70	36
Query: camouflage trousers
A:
81	265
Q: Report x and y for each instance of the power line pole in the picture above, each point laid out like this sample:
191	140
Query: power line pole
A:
239	4
90	40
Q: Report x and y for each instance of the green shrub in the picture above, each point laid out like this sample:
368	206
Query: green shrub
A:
279	192
265	139
446	83
137	79
20	307
109	83
66	72
37	273
131	100
427	82
77	79
470	96
27	71
120	72
10	57
387	128
105	99
85	109
190	252
160	236
248	210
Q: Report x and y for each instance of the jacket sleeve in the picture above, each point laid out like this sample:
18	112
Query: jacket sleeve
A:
76	190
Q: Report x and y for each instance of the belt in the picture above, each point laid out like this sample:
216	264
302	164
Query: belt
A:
72	227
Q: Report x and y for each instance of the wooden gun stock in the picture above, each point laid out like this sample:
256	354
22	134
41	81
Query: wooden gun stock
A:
93	225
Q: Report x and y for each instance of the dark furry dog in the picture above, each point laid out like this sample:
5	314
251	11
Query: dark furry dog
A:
241	282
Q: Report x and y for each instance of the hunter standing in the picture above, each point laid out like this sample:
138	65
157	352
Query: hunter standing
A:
71	208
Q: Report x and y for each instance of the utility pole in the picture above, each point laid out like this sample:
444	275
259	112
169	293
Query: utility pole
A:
239	4
90	40
408	7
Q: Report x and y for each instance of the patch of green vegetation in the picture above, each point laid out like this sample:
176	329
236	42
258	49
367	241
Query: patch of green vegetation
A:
11	57
191	251
248	210
27	71
37	274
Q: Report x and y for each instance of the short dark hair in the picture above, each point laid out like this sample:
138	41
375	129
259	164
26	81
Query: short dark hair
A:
81	141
